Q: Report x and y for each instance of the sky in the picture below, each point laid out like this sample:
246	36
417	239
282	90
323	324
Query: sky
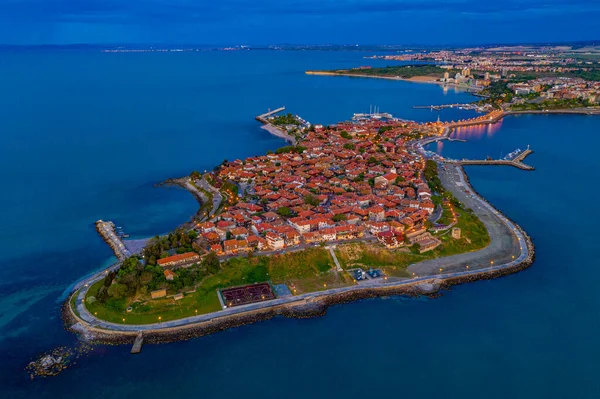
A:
235	22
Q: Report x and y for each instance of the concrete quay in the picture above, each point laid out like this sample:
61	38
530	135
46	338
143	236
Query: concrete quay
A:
516	162
108	234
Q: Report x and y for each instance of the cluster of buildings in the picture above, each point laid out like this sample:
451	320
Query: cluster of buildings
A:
465	77
355	180
559	88
499	62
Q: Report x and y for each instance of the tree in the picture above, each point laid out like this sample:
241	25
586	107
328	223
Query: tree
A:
211	263
349	146
339	217
117	291
102	294
311	200
195	175
372	160
284	211
345	135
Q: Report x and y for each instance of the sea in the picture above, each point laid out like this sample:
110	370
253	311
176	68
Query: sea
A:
86	135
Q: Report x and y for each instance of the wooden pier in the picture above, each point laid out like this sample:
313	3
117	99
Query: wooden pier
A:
137	344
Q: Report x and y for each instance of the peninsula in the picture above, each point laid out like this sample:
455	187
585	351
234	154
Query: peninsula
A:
352	210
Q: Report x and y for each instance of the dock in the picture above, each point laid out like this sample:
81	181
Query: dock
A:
439	107
516	161
137	344
263	118
110	236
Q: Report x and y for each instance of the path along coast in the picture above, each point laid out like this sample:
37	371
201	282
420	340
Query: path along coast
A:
510	251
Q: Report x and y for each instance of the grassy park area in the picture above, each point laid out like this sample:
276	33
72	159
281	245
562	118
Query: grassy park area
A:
303	271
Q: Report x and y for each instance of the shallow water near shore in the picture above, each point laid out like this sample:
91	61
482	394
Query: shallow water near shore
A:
83	144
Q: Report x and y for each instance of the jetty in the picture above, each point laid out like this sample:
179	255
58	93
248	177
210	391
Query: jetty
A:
275	130
264	117
109	235
137	344
441	106
515	161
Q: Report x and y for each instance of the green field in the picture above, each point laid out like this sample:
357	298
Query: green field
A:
404	71
304	271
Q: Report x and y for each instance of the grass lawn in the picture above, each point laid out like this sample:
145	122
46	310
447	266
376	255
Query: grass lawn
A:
147	312
306	271
393	262
73	301
474	236
447	216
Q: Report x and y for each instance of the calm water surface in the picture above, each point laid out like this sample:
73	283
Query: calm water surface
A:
87	135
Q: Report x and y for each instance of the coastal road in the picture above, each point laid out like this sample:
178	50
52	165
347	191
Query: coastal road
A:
217	196
504	242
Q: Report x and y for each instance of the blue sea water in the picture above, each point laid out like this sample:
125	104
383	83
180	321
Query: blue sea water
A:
86	135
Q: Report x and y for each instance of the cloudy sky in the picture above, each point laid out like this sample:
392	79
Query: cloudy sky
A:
293	21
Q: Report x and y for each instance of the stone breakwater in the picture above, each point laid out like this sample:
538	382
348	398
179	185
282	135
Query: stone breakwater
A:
108	234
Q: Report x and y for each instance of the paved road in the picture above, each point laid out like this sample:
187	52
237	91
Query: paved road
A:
504	242
217	196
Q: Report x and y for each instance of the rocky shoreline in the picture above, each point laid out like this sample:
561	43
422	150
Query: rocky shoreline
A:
314	307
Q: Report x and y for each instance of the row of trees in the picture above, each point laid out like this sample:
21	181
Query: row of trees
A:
159	247
136	278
